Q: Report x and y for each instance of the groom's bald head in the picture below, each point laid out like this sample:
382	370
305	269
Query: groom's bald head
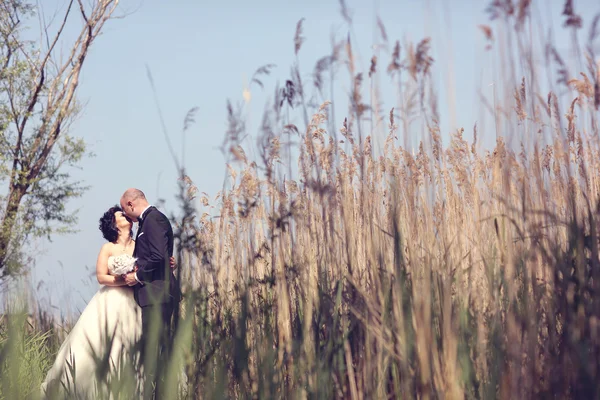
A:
133	194
133	202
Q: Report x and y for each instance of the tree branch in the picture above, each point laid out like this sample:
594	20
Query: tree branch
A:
64	99
40	84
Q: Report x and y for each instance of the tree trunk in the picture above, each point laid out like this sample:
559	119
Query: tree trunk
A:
8	221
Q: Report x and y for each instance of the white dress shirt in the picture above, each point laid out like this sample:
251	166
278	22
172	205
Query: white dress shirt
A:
145	209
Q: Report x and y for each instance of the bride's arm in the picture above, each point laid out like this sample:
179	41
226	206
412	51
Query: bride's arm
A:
104	278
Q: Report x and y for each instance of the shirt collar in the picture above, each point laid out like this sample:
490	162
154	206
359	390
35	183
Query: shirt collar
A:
143	212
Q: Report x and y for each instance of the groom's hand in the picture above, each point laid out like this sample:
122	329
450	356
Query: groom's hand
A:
130	279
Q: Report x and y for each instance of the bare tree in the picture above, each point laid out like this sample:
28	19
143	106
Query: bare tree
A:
37	105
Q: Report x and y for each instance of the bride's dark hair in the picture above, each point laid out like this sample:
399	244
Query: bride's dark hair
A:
108	225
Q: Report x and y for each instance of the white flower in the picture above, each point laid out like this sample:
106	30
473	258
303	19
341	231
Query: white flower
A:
121	264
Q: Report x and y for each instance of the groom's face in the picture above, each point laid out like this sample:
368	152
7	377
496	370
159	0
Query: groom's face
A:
128	207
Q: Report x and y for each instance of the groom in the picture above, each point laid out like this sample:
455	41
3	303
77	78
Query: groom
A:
156	289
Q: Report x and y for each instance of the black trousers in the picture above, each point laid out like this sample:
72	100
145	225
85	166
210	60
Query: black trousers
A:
155	345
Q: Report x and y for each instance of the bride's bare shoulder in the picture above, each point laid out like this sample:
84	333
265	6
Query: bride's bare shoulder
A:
107	248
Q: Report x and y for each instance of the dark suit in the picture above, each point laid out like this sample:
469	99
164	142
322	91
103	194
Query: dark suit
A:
158	292
153	248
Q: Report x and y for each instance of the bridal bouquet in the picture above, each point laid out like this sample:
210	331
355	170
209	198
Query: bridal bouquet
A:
122	264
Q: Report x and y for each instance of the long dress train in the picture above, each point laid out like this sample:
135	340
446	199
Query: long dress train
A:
99	345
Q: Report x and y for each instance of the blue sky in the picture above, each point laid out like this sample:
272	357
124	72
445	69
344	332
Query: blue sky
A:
201	53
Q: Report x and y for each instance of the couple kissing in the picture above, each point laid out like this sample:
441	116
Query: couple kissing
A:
128	320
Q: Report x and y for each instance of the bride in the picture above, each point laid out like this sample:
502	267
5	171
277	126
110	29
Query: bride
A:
100	347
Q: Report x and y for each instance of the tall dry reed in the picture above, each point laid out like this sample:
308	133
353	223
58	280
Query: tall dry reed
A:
339	270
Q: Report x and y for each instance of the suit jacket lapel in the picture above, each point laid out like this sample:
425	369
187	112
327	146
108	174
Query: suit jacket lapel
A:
140	224
136	237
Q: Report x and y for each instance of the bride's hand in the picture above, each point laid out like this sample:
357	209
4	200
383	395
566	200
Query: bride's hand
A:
172	262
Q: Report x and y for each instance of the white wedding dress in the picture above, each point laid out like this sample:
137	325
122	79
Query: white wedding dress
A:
112	310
